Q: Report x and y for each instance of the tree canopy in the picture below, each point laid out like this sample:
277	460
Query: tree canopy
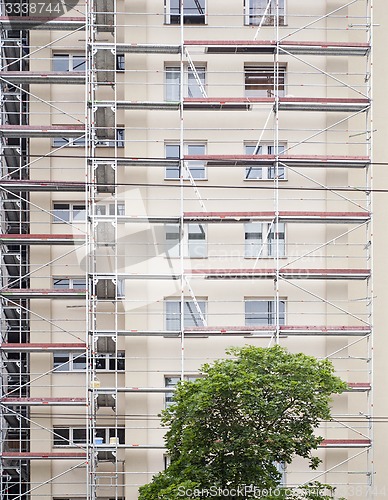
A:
243	416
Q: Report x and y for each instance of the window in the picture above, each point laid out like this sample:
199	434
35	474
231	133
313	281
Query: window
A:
110	209
192	316
120	62
69	212
172	382
281	468
192	82
119	142
194	243
263	12
110	362
72	283
260	239
196	167
69	62
73	436
193	11
260	81
70	361
75	142
264	172
263	312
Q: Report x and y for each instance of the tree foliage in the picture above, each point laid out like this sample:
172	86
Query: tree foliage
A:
247	413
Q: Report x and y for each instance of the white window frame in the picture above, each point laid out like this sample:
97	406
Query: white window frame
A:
267	89
109	210
260	241
197	168
194	247
72	358
192	316
171	381
71	210
270	15
264	172
109	143
270	313
73	283
103	432
191	88
173	18
72	66
69	142
118	361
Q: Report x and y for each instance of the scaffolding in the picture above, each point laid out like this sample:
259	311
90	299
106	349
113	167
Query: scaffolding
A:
162	201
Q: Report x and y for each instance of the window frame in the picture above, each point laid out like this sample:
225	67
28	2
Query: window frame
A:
189	249
195	166
69	142
71	56
112	362
264	172
267	230
270	18
271	306
263	77
173	18
68	366
169	395
119	142
120	62
71	211
172	90
105	432
71	282
110	209
171	317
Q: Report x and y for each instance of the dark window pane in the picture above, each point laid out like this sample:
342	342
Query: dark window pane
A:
61	362
79	63
79	435
61	437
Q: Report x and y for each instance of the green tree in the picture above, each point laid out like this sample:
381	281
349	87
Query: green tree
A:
247	413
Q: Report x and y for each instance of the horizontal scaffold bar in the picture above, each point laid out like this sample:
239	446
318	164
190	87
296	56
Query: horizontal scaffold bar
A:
37	347
282	273
353	387
31	77
43	23
326	104
285	330
41	239
56	293
57	455
28	131
272	46
139	48
292	160
32	185
44	401
235	273
324	217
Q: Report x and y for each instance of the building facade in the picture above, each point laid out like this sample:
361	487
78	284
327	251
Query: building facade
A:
179	177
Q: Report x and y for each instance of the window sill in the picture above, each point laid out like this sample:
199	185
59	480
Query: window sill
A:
265	257
188	257
264	180
186	180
